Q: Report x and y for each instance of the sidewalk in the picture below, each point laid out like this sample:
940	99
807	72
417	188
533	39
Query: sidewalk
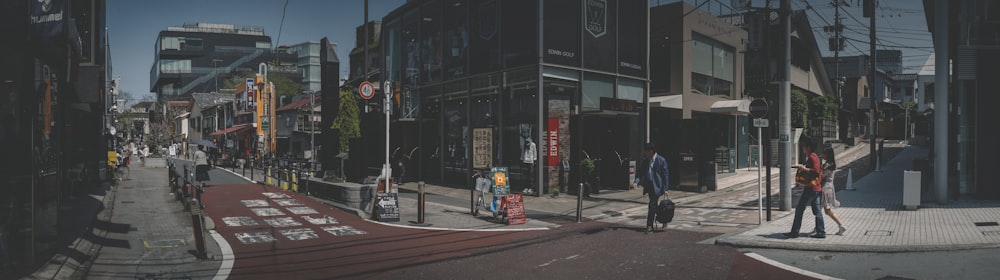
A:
142	233
877	222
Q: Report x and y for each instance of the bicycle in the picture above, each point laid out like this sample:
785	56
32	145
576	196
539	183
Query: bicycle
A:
484	185
122	171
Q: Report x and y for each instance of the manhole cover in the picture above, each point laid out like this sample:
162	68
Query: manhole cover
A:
878	233
986	224
169	243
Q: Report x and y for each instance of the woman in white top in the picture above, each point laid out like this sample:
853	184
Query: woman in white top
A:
200	165
829	197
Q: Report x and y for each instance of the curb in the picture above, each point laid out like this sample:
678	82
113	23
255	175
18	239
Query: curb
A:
852	248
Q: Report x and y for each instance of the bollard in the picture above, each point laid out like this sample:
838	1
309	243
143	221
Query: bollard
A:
198	226
420	202
579	204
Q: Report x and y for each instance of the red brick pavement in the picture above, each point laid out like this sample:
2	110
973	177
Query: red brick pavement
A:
323	255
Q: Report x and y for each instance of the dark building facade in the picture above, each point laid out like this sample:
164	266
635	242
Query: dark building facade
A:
54	122
971	37
535	86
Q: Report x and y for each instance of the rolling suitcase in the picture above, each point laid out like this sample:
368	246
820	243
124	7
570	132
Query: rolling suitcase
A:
665	211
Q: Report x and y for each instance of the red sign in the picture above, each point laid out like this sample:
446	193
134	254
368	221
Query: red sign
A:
553	137
367	90
515	209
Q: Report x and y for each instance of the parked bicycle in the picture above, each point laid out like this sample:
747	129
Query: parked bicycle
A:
484	185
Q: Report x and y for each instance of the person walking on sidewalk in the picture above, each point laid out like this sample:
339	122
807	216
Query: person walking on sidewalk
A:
829	197
652	175
811	193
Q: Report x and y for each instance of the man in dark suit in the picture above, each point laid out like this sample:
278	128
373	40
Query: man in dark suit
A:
652	176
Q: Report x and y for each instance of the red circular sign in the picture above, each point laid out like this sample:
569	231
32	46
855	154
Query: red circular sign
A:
367	90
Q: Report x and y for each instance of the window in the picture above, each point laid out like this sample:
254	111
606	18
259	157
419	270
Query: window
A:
596	86
175	66
430	41
456	38
411	48
264	45
170	43
712	66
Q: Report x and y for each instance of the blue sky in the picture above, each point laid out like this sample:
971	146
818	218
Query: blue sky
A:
133	26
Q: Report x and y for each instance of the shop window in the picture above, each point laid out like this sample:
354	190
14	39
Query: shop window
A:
431	152
519	32
456	138
393	50
411	48
630	89
430	41
485	36
596	86
456	38
712	66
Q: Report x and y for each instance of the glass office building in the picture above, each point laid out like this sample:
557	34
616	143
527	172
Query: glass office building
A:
535	86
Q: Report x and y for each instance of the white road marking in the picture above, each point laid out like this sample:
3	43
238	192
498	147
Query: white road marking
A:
788	267
227	256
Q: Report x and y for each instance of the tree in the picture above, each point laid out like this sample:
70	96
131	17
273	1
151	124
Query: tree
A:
823	107
800	108
348	119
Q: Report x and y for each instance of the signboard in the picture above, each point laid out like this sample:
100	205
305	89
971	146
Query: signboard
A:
631	172
499	175
251	101
387	207
758	108
515	209
760	122
482	147
620	105
552	134
367	90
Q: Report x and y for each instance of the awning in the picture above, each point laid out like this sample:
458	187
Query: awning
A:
669	101
736	107
184	115
230	130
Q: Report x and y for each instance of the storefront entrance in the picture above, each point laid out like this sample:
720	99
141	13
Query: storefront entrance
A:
613	140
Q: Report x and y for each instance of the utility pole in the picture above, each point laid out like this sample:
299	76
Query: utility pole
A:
942	17
785	109
837	45
869	11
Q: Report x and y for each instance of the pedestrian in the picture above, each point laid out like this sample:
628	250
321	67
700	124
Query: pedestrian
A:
652	176
808	178
200	165
829	197
173	150
401	167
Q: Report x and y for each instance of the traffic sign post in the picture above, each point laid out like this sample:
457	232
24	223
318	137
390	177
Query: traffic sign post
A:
758	109
367	90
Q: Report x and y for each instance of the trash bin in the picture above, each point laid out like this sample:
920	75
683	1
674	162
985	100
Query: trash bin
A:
911	189
707	176
688	171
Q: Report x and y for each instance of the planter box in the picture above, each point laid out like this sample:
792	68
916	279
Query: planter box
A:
352	195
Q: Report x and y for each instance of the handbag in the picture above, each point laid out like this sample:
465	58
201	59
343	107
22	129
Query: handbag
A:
806	178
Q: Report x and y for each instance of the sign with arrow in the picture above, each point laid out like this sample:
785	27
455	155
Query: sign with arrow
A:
387	207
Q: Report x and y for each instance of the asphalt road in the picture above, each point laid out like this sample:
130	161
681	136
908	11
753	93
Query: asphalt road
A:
967	264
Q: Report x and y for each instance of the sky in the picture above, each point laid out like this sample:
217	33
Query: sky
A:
134	25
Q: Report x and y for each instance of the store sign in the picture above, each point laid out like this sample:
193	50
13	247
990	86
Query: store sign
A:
482	147
597	17
553	142
251	105
620	105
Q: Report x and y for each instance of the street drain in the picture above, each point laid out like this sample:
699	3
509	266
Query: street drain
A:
127	202
992	233
986	224
878	233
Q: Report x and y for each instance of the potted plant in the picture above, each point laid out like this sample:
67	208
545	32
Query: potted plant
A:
588	173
